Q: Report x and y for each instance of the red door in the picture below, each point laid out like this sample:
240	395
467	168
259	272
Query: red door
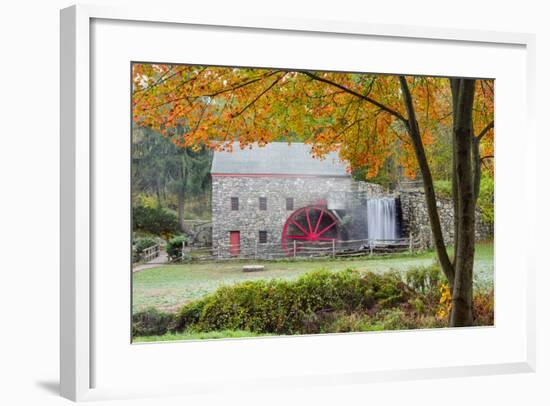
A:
234	243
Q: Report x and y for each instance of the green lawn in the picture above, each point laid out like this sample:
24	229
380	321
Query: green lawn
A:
170	286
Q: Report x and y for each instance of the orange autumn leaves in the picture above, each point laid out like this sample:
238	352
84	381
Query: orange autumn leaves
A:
216	106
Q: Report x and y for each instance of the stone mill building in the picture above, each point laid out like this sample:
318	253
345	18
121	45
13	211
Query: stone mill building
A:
269	201
270	196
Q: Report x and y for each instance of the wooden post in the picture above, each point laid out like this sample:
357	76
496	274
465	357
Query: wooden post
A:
410	243
182	251
218	251
370	247
256	250
294	249
333	248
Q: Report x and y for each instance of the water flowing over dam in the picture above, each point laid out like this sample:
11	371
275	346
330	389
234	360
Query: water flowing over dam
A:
382	219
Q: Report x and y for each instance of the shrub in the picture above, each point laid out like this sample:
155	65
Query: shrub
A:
418	305
151	322
486	199
157	221
175	246
387	290
140	244
394	319
145	200
348	322
291	307
484	308
188	315
424	279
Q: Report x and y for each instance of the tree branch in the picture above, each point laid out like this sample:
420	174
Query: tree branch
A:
477	160
260	95
356	94
486	130
163	78
216	93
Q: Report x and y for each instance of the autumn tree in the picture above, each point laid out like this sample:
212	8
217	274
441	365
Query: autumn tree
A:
363	116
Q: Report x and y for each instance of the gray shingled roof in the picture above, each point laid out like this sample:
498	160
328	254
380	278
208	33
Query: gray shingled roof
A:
277	158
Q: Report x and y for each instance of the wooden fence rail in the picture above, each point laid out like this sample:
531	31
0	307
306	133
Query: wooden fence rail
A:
150	253
325	249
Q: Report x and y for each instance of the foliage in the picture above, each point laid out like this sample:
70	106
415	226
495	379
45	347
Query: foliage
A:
484	308
287	307
362	114
164	174
486	199
424	279
428	282
388	174
140	244
145	200
443	188
445	302
324	323
155	164
157	221
485	202
395	319
440	153
343	322
151	322
317	302
197	335
175	246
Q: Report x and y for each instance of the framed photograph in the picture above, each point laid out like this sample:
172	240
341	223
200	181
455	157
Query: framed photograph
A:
259	203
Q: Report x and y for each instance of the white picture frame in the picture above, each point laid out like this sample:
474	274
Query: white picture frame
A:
78	353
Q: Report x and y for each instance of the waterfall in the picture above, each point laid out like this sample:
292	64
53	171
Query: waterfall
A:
382	219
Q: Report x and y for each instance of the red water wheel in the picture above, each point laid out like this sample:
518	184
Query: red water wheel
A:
310	225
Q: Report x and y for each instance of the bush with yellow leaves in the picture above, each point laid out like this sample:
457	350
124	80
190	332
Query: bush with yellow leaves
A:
445	302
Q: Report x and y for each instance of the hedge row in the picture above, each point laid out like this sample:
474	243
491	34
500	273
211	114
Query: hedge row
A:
284	307
318	302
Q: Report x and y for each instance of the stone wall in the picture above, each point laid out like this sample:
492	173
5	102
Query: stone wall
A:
415	220
337	192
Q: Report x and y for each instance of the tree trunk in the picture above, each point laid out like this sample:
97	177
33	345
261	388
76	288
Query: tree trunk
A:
461	312
459	273
429	192
181	189
158	193
454	92
181	208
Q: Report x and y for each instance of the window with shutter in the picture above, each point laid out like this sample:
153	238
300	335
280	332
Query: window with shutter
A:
234	203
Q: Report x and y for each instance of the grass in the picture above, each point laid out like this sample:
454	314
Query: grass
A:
168	287
197	336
